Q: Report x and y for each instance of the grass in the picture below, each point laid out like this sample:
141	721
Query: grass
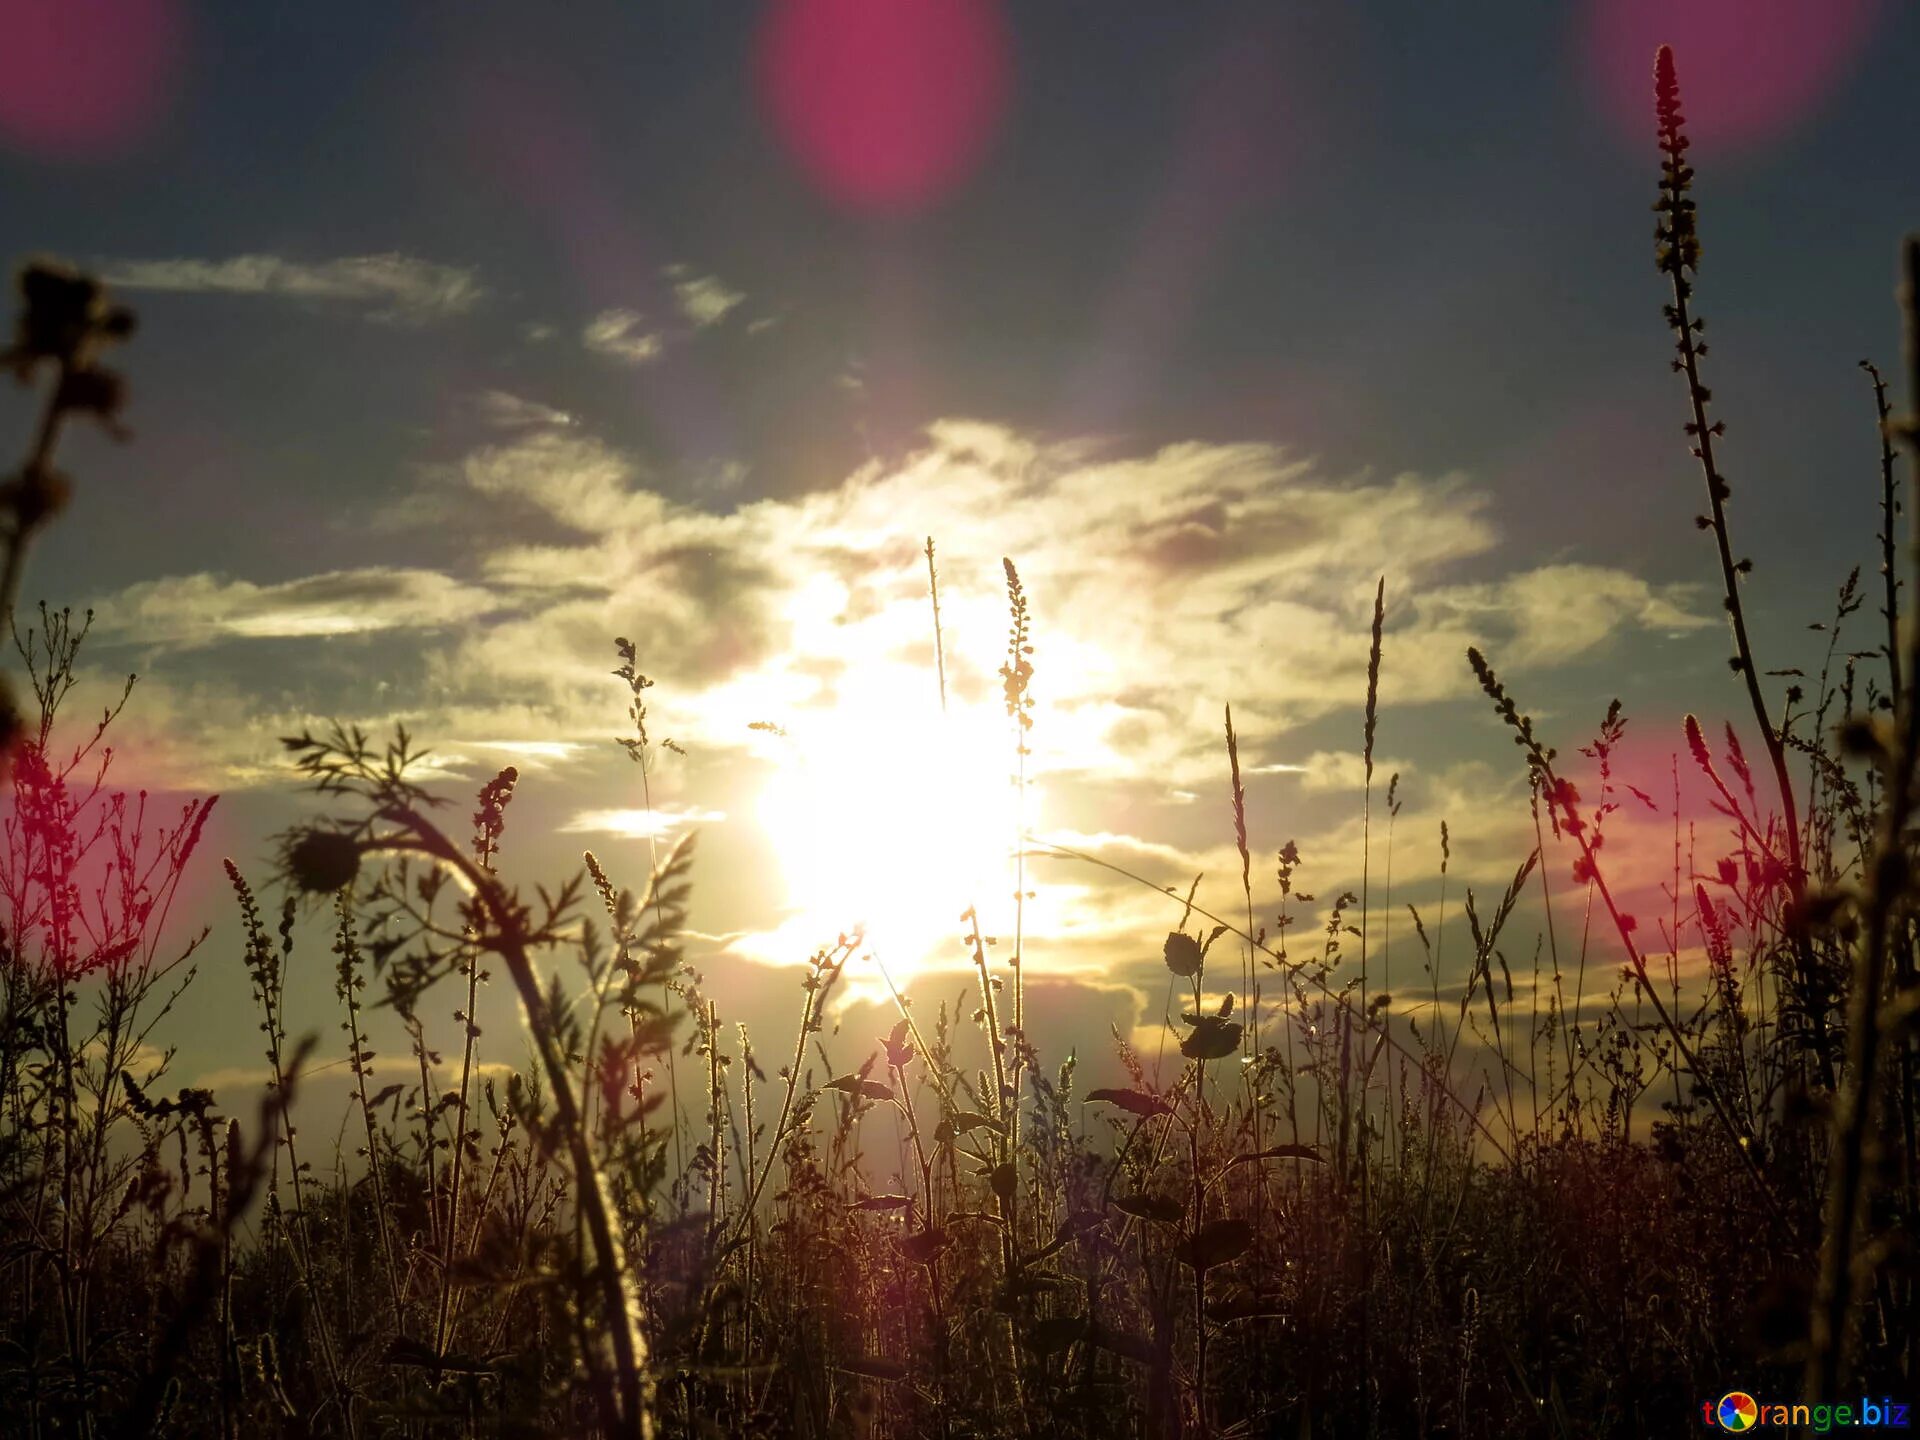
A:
1578	1202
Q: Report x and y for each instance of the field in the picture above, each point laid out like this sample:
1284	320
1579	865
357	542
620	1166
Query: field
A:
1585	1154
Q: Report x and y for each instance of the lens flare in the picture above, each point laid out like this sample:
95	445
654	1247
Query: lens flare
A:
1751	71
886	104
85	79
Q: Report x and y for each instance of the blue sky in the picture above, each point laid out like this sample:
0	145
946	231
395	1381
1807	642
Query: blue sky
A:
475	335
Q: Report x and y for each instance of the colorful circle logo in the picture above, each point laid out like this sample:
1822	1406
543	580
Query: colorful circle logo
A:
1738	1411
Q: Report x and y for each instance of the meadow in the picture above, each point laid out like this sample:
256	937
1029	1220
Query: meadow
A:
1582	1173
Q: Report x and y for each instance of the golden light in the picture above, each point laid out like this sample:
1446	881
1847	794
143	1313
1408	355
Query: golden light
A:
892	818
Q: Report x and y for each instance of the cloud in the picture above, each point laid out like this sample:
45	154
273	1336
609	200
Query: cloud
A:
192	610
390	286
1161	584
506	411
618	335
703	299
639	824
535	753
627	337
1557	610
1332	771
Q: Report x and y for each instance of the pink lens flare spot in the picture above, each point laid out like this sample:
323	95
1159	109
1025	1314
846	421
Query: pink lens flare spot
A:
886	104
1751	71
85	79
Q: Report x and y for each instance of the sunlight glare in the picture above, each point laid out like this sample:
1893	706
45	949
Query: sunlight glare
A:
893	819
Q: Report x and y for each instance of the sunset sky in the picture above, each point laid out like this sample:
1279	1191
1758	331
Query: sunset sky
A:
474	336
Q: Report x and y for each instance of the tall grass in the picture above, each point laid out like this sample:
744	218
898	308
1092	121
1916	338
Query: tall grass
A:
1571	1192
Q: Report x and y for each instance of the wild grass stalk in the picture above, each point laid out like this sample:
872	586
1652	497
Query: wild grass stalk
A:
1884	905
1677	253
1039	1260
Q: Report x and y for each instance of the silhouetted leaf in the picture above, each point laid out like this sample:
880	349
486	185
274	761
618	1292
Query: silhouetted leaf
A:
1003	1178
876	1367
1277	1152
1126	1344
1164	1208
923	1247
1056	1333
963	1121
899	1051
1213	1038
1239	1304
1215	1243
403	1351
857	1085
1182	953
1137	1101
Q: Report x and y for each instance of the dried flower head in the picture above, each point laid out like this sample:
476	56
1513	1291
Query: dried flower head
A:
65	319
490	820
321	861
1677	247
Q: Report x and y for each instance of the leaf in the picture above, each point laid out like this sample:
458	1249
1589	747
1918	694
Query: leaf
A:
1163	1208
403	1351
899	1052
875	1367
385	1095
1126	1344
1004	1178
1215	1243
985	1217
1182	953
884	1202
1213	1038
1139	1102
1277	1152
1034	1282
923	1247
859	1085
1238	1304
1056	1333
963	1121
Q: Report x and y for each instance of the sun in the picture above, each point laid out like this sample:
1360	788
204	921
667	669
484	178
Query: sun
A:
892	817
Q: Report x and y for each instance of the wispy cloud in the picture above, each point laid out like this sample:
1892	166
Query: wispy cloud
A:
639	824
622	335
703	299
1330	771
388	287
534	752
191	610
506	411
1161	584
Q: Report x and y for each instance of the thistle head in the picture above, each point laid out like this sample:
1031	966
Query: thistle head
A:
66	319
322	862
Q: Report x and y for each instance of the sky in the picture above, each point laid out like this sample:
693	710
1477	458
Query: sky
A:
474	336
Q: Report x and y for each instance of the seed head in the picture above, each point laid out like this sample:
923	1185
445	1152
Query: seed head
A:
322	862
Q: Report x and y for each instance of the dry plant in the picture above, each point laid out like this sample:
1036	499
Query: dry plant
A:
1595	1152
